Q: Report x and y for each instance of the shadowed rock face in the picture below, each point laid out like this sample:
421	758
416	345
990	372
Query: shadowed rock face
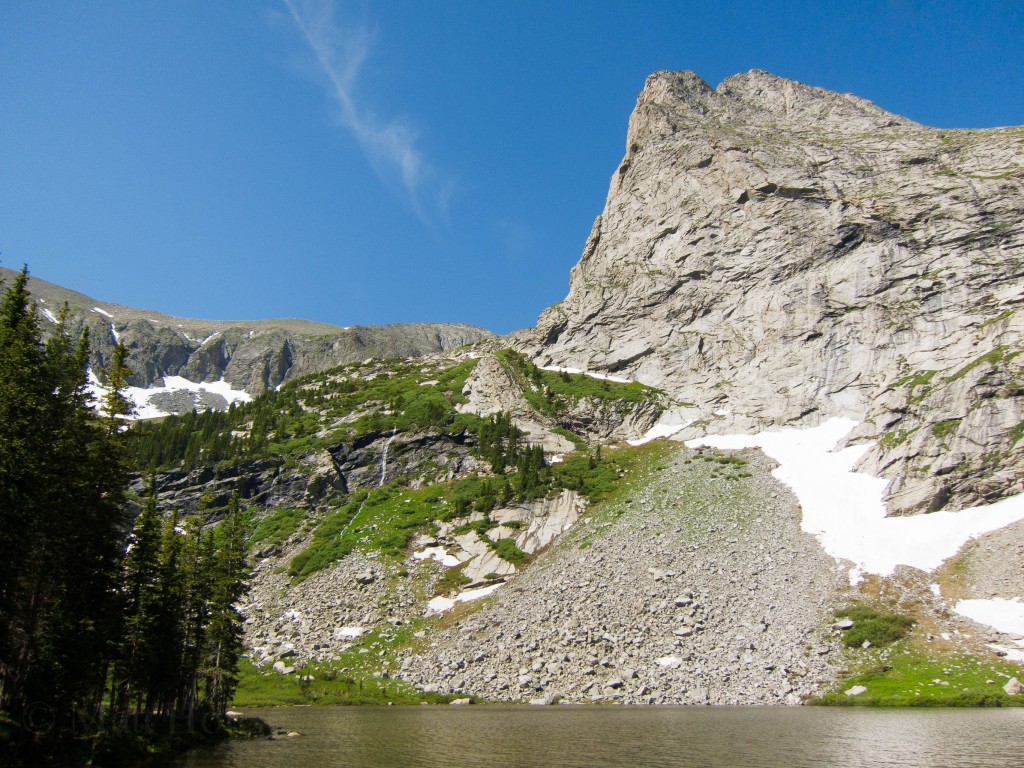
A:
776	253
252	355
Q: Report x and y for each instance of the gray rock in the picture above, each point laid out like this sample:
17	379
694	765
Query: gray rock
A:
777	254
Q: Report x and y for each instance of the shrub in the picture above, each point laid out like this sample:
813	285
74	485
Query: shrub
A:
507	550
877	627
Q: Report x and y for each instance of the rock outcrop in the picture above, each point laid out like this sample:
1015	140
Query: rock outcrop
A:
776	253
252	356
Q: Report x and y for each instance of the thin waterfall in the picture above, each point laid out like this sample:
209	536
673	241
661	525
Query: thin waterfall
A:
384	458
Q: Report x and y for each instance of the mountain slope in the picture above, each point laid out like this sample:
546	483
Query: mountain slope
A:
251	356
777	254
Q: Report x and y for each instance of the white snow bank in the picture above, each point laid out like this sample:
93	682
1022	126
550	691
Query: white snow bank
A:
1013	654
439	554
49	315
591	374
140	395
347	633
442	604
844	508
660	430
1005	615
102	312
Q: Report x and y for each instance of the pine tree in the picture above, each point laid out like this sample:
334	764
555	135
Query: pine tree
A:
141	585
24	399
62	480
230	584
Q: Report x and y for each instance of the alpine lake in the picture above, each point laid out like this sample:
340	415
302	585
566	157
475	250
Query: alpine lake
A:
521	736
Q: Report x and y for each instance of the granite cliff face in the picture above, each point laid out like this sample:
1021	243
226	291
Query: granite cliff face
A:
253	356
772	253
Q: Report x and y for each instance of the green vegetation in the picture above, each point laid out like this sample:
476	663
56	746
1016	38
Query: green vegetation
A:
101	629
998	355
1016	433
907	676
996	319
507	550
578	442
873	626
276	527
63	477
358	676
384	520
945	428
553	392
452	580
895	437
915	380
311	413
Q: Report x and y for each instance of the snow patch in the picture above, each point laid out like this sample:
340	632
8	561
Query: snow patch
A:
844	508
442	604
115	334
591	374
347	633
1013	654
48	315
439	554
140	396
660	430
102	312
1002	614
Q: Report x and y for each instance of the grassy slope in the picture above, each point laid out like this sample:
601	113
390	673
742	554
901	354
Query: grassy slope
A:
914	673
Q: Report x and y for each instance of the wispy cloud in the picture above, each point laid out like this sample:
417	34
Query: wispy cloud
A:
389	144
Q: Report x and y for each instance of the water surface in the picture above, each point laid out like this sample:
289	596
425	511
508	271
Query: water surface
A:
630	737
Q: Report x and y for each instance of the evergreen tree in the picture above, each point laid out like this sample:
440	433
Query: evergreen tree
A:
62	480
24	400
141	585
230	575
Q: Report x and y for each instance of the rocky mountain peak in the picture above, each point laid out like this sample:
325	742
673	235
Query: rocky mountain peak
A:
775	253
675	101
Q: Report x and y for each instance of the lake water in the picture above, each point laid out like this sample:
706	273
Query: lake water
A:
631	737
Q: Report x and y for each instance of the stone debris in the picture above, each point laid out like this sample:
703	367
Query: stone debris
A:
671	604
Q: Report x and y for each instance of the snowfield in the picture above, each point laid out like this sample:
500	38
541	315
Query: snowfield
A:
140	396
844	508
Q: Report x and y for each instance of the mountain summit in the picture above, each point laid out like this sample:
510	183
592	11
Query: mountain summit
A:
772	253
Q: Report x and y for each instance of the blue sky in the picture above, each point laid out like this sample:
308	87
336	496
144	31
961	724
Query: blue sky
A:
361	162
